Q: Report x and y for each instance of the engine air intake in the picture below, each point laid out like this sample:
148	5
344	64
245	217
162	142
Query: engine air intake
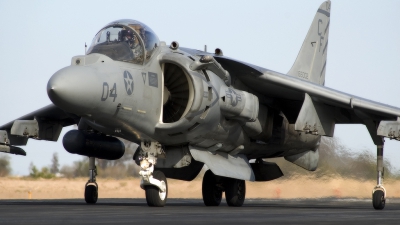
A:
176	93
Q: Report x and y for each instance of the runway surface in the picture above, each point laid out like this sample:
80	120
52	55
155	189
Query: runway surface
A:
192	211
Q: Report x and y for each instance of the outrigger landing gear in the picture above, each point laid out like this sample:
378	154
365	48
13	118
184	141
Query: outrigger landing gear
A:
213	186
379	192
91	187
153	182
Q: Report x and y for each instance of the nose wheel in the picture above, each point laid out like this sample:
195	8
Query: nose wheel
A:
156	197
152	181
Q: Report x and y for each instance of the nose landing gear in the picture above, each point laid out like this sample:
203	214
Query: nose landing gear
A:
153	182
155	196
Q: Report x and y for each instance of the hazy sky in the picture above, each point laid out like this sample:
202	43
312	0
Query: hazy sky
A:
37	38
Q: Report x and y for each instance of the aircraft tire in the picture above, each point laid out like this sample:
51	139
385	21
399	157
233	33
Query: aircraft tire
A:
235	191
154	197
378	200
91	194
212	194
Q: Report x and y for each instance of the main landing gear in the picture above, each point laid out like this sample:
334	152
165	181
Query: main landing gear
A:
213	186
91	187
153	182
212	189
379	192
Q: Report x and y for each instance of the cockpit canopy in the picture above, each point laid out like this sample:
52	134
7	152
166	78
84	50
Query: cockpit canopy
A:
125	40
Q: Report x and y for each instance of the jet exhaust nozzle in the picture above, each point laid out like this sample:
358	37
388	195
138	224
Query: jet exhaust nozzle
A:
93	145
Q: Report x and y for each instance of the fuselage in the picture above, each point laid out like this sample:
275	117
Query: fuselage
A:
169	96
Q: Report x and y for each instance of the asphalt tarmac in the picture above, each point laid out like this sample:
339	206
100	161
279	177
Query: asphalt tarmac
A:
192	211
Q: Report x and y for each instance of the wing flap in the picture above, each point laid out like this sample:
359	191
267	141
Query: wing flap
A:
292	88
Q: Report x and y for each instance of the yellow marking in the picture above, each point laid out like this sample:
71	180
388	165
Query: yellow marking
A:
141	111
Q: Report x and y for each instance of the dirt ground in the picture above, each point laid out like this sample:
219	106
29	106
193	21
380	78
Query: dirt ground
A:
301	187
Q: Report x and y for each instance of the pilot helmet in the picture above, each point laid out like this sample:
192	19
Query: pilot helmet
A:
127	34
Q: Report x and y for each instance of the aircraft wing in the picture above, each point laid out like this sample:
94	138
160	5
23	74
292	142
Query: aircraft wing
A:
305	103
44	124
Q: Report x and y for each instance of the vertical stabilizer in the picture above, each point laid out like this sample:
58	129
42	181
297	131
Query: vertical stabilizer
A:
310	63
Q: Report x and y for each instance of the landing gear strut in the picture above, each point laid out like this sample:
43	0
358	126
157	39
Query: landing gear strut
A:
153	182
379	192
213	186
91	187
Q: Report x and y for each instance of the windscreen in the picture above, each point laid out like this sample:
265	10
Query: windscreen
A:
120	43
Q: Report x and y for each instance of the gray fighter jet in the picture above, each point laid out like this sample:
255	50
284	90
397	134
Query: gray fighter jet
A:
186	108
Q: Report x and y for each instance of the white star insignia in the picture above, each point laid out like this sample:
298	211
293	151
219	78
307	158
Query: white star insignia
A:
128	82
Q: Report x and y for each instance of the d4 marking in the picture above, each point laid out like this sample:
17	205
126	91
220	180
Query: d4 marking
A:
109	93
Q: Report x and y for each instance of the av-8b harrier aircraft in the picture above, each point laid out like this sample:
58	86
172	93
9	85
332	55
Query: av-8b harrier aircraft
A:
186	108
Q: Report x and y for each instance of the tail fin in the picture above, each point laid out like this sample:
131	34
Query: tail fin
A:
310	63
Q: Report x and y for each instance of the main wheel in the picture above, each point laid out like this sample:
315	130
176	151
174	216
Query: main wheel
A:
212	194
91	194
235	191
154	196
378	199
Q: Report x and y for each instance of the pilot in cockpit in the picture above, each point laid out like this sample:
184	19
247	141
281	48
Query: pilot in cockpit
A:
128	37
125	40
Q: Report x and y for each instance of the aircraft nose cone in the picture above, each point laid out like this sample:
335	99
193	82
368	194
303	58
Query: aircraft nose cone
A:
74	89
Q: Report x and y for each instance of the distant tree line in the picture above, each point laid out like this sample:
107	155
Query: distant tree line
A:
5	166
45	172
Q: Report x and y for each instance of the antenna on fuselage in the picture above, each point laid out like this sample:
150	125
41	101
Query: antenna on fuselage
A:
205	48
85	48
